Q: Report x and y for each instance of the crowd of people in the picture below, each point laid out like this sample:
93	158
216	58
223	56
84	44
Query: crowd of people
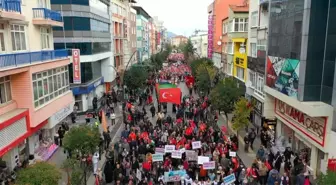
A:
184	146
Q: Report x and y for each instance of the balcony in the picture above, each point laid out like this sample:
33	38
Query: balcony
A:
11	10
263	2
29	58
47	17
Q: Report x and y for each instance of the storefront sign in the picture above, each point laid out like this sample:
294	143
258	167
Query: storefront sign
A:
76	66
332	164
314	128
87	88
209	165
60	116
258	107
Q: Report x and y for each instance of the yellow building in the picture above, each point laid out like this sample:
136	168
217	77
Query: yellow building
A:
236	27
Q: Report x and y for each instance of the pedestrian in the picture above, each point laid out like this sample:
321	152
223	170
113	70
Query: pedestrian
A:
284	179
152	110
113	118
247	142
95	159
261	153
252	135
61	133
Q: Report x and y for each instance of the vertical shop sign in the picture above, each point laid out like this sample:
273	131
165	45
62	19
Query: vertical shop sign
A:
76	66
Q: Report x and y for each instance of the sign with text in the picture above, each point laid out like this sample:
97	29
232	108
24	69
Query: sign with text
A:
176	154
232	154
169	148
230	179
313	127
202	159
191	155
157	157
138	174
196	145
76	66
159	150
182	150
209	165
174	176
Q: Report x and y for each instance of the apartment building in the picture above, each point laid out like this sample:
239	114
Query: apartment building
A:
132	37
143	41
257	42
152	37
34	81
200	43
300	78
87	26
159	33
178	40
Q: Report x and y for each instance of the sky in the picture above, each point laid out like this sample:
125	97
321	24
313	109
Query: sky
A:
181	17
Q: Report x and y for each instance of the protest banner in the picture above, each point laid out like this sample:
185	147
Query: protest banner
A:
196	144
169	148
202	159
191	155
230	179
138	174
209	165
176	154
182	150
157	157
159	150
174	176
232	154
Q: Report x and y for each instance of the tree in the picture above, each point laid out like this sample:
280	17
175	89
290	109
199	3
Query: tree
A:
225	94
157	60
205	75
136	77
83	139
188	50
41	173
195	63
242	110
329	178
73	170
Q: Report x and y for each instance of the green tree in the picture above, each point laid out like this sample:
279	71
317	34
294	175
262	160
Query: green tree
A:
242	110
41	173
83	139
158	59
205	75
74	172
329	178
225	94
188	51
136	77
195	63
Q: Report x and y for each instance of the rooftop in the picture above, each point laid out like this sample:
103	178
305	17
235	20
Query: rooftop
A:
239	8
141	11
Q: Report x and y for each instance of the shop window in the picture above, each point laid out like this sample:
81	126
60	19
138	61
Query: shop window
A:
50	84
5	90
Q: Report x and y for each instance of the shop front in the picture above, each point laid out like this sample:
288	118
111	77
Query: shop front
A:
257	113
306	135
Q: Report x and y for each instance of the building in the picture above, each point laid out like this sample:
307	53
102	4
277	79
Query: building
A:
87	27
179	39
210	29
235	35
34	81
300	78
257	39
132	37
143	42
200	43
159	31
152	37
220	11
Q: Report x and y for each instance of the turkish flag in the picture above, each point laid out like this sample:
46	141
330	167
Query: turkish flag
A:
171	95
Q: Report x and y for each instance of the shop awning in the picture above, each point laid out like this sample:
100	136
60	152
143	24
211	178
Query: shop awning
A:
238	40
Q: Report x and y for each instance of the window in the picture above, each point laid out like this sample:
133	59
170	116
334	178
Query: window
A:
49	84
45	38
252	78
230	48
253	49
229	68
254	19
99	26
240	24
225	28
240	73
230	26
261	45
260	85
5	90
18	35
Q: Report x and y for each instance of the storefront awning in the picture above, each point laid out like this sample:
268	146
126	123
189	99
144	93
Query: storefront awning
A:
238	40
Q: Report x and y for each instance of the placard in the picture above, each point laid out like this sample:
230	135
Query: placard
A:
157	157
232	154
176	154
159	150
182	150
228	180
169	148
209	165
174	176
191	155
138	174
196	145
202	159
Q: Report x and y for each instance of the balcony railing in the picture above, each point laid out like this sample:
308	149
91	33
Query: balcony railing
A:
11	5
45	13
26	58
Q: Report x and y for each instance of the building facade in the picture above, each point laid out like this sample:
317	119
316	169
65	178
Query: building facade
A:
87	26
132	37
300	78
200	43
34	81
177	40
143	41
257	39
153	35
